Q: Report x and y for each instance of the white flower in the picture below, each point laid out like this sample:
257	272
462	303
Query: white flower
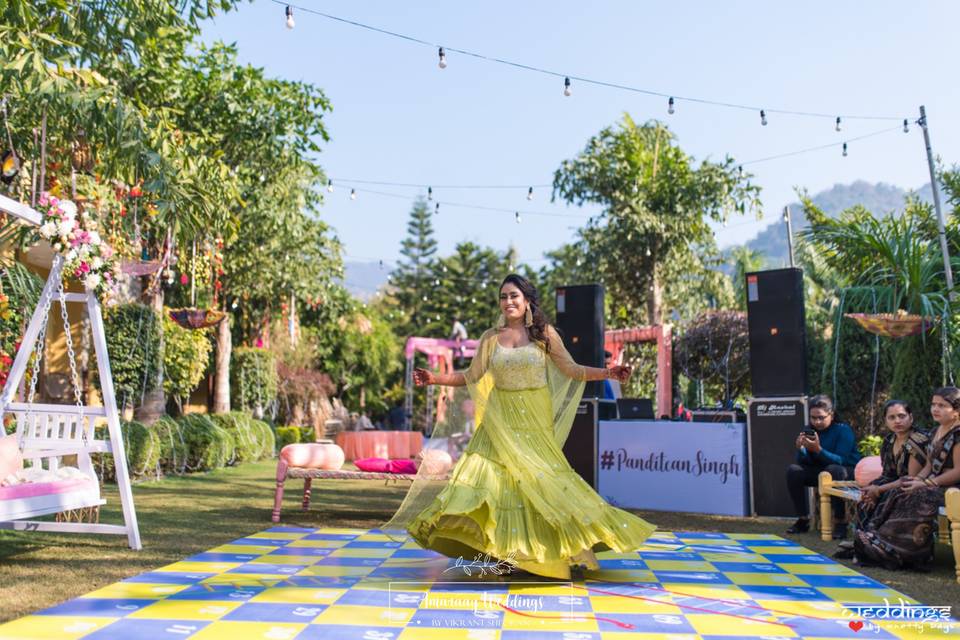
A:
92	280
95	238
66	227
96	263
71	255
84	250
49	229
69	208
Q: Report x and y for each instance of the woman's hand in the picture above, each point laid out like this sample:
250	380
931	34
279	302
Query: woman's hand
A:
422	377
620	372
871	493
812	443
912	484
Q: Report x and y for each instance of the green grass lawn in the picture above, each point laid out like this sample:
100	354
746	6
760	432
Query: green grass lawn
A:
186	515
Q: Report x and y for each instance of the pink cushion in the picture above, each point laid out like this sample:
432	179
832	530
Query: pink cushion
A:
403	466
868	470
34	489
313	455
10	459
377	465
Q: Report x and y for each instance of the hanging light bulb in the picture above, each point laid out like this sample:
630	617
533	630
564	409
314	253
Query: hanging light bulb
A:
763	117
670	108
443	59
837	128
436	282
516	216
429	193
578	262
567	91
740	172
381	265
234	305
330	186
530	193
424	298
436	209
290	23
353	194
906	126
844	149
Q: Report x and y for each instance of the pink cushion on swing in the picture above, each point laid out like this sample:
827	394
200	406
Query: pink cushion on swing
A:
10	459
34	489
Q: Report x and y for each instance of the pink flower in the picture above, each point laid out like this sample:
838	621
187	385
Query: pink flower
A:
106	251
44	199
84	268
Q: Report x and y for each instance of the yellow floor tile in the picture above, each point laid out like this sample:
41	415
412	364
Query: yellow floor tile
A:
550	621
200	567
713	624
359	615
52	627
139	590
352	552
644	603
812	569
868	596
230	630
680	565
186	610
769	579
299	595
417	633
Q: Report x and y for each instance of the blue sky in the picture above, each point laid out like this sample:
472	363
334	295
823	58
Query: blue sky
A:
398	118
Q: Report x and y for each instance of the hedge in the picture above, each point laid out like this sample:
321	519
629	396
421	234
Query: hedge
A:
134	346
208	445
173	447
186	353
287	435
141	446
265	437
239	425
253	379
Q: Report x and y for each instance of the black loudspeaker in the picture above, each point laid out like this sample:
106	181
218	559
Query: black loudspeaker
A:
580	323
580	448
777	323
772	428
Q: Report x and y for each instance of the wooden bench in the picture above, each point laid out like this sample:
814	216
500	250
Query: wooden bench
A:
949	520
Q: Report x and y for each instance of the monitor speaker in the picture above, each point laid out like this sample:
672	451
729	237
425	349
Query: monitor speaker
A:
777	326
580	323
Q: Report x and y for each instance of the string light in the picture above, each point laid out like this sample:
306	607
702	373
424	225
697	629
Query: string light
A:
429	193
837	127
670	108
602	83
530	193
330	186
443	59
763	117
353	194
906	126
516	216
289	13
567	91
436	210
740	172
844	149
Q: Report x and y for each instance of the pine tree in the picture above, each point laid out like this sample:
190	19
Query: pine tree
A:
410	280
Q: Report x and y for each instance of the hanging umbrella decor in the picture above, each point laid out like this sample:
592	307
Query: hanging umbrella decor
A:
894	325
197	318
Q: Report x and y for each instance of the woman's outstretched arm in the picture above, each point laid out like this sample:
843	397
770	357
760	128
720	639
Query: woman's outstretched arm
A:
422	377
565	362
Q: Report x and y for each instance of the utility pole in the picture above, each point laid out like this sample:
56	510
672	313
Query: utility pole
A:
786	218
944	249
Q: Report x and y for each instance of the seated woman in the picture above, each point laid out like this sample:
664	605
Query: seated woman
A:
903	453
900	533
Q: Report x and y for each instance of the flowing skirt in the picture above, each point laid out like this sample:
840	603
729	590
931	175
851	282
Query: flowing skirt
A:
900	530
513	496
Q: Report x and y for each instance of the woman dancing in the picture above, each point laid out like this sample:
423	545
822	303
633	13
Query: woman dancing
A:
512	494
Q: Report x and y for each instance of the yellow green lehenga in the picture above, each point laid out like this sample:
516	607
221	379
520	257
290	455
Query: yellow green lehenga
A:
512	494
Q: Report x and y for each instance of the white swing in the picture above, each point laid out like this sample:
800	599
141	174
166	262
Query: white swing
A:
47	432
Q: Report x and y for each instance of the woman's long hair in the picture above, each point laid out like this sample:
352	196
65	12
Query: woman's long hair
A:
538	330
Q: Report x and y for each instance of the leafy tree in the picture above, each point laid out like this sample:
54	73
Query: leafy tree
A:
745	260
657	204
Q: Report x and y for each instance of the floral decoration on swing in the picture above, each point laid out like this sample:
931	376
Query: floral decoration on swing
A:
894	325
73	234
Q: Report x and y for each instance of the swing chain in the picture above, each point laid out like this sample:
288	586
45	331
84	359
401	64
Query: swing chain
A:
35	373
72	358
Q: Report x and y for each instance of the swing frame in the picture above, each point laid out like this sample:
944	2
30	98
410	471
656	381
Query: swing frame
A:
67	429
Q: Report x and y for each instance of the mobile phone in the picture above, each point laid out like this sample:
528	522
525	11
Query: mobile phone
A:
809	433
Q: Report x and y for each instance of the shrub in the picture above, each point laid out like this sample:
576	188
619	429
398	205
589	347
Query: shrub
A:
287	435
238	424
870	445
173	447
714	348
186	353
208	446
264	435
135	349
141	446
253	377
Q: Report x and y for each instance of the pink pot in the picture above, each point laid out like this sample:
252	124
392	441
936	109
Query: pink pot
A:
868	470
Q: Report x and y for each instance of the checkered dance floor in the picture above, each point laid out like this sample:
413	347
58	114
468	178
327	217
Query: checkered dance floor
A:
348	584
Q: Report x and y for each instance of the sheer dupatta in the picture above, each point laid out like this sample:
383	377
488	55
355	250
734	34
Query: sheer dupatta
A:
565	381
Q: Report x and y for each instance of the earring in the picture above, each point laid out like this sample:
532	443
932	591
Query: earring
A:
501	321
528	317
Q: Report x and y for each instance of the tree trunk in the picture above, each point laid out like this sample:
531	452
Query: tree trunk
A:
221	389
655	296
